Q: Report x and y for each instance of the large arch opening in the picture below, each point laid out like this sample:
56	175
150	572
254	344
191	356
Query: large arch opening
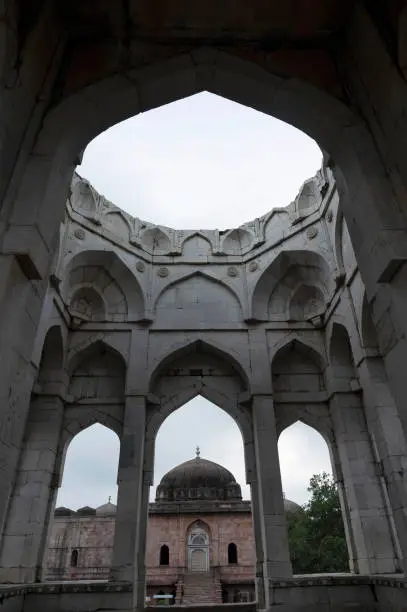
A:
304	421
199	507
316	531
236	154
73	123
82	531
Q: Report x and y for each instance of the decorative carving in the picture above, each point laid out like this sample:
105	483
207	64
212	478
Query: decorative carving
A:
312	233
140	266
253	266
163	272
79	233
233	271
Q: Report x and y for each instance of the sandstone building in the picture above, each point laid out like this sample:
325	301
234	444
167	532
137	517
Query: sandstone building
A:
200	541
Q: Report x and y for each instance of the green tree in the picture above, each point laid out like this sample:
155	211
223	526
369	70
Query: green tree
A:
315	531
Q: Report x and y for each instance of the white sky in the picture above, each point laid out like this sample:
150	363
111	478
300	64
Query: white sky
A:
202	162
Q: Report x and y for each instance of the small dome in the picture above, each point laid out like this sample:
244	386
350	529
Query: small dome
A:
106	509
62	511
86	511
198	479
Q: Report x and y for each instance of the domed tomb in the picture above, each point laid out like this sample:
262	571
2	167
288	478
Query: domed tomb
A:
108	509
198	479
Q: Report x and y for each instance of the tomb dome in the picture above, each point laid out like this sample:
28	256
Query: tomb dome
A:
196	479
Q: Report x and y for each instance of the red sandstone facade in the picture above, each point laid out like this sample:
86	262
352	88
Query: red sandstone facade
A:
200	542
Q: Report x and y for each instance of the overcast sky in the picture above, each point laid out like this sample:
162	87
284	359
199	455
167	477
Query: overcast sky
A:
202	162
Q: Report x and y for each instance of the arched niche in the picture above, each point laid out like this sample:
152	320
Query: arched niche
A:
197	246
88	304
307	301
281	281
198	547
367	329
309	197
52	355
296	368
108	281
237	241
97	372
195	298
155	241
340	354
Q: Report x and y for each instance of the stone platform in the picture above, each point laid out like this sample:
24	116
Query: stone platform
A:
322	593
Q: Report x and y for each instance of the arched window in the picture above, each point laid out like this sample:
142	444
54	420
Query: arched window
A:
164	555
74	558
232	554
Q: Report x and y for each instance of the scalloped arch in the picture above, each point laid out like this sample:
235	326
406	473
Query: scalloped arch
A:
237	240
155	240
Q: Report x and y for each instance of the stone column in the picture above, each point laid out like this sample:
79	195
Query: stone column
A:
132	503
273	555
367	507
346	513
384	421
30	511
20	308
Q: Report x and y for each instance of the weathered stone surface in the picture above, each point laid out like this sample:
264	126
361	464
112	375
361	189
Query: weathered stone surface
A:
335	70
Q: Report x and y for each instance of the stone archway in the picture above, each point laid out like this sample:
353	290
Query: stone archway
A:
198	548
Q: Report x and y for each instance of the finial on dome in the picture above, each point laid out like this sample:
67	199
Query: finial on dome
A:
198	452
110	499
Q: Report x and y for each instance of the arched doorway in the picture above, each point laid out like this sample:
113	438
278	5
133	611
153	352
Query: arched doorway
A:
198	549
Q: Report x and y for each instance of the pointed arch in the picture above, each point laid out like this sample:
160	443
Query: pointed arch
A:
181	279
53	352
204	246
232	554
158	414
297	368
198	524
304	343
367	328
155	240
101	269
164	555
237	241
204	347
86	350
340	349
117	222
307	266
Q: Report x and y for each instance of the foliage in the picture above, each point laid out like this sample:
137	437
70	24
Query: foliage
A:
315	531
